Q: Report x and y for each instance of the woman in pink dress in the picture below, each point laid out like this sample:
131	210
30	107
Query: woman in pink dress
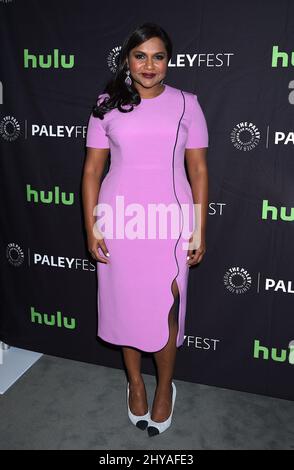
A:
150	226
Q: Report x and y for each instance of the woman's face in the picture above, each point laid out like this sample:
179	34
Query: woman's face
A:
150	57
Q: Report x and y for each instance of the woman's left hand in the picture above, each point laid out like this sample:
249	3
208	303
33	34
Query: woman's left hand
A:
194	256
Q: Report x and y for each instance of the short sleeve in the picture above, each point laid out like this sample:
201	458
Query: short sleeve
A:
96	135
197	129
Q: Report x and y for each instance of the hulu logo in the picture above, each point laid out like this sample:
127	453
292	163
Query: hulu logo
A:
52	319
283	56
52	60
262	352
49	197
266	209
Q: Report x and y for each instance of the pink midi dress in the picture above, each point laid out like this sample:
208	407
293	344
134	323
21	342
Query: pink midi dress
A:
147	170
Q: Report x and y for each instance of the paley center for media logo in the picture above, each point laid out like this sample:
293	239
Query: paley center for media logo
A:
245	136
15	256
9	128
238	280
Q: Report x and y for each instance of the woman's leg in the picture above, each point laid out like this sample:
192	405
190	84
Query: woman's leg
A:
138	398
165	361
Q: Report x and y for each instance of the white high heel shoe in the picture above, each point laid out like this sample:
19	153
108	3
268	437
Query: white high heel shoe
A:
141	421
154	427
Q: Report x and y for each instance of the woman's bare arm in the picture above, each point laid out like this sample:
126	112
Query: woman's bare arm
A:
198	176
91	181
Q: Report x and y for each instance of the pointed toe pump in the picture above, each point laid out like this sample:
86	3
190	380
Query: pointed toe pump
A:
154	427
140	421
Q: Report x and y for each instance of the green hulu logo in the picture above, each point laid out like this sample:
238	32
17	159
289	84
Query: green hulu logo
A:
272	212
262	352
56	61
282	56
49	197
52	319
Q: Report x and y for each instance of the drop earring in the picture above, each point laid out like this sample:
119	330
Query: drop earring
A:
161	81
128	79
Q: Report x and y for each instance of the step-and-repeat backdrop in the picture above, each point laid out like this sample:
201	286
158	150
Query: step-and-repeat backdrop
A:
56	57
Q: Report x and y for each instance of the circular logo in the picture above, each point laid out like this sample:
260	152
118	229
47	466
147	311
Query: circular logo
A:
112	58
245	136
237	280
9	128
14	254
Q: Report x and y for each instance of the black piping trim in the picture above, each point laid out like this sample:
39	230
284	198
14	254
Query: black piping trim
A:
175	255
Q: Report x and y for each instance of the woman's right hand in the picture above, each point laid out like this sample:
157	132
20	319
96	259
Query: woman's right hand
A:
93	245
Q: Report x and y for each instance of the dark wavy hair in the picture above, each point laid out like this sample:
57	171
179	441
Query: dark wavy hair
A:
121	94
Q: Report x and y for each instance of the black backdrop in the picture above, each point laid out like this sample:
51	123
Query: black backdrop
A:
236	57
